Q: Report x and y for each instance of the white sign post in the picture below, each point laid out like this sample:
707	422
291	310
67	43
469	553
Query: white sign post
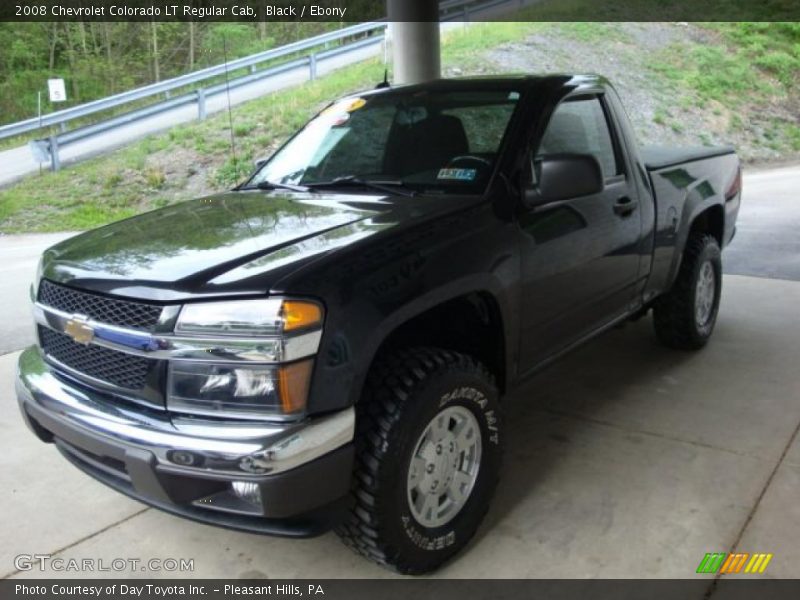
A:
58	92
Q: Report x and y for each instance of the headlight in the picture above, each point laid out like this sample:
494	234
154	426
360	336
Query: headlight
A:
238	390
267	317
244	389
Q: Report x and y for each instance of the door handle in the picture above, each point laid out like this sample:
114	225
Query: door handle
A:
625	206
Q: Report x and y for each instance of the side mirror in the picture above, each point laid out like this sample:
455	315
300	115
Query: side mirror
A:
260	162
565	176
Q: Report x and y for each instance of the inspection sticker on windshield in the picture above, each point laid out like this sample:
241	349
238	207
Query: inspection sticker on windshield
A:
457	174
355	104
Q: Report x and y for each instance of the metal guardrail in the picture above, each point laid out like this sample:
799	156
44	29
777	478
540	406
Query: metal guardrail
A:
89	108
47	150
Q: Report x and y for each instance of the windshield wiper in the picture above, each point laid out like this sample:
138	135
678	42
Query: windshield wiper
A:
390	187
275	185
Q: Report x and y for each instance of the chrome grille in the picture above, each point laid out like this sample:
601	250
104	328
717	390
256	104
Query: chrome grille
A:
117	368
113	311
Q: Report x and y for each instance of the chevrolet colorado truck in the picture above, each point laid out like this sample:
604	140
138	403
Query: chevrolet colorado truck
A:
326	345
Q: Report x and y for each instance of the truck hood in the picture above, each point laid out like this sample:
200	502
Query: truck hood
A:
232	243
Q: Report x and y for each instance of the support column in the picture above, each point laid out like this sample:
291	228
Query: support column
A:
414	31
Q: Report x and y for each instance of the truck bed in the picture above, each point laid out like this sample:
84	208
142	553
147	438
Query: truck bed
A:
661	157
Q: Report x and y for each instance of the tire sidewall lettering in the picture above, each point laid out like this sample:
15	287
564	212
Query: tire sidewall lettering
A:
478	402
476	398
425	541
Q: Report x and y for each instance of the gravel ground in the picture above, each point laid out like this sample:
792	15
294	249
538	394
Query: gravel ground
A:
624	57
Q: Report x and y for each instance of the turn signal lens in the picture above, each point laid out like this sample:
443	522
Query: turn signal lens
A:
300	315
293	382
238	390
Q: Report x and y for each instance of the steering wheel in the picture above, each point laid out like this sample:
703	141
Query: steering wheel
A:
469	157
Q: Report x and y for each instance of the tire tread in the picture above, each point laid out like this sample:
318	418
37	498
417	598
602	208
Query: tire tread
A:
390	384
673	313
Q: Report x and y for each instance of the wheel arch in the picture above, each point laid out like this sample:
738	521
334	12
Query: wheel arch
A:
708	218
471	319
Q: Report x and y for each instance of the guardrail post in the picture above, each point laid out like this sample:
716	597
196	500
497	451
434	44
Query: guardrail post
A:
201	104
55	163
312	66
253	68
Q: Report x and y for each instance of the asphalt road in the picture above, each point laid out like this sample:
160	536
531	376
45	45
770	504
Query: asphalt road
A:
766	245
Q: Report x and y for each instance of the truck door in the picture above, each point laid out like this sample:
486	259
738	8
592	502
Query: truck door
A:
579	256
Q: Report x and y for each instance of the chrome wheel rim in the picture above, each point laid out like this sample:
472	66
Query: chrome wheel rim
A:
444	466
704	294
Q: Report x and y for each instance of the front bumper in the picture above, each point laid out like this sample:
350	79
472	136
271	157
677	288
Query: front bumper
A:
186	466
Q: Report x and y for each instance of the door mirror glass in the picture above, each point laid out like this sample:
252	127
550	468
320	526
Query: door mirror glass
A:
565	176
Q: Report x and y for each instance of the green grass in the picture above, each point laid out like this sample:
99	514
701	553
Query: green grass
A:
713	73
747	70
129	181
793	133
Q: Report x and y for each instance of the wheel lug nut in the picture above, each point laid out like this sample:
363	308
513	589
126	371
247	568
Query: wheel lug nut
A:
429	468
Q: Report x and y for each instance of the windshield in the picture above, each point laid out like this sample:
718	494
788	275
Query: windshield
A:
435	141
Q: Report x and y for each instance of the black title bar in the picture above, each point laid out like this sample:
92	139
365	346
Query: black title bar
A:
401	589
368	10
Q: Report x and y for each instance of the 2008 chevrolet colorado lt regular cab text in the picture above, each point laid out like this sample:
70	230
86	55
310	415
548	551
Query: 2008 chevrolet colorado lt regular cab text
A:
326	345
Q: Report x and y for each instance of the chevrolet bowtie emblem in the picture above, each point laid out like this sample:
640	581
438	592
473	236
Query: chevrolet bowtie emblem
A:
79	329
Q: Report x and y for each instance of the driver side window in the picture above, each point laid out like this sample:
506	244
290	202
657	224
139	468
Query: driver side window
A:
579	126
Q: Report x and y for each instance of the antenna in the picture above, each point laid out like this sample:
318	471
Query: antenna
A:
228	94
385	83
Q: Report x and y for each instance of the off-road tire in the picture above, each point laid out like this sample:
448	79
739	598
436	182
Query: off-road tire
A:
404	392
674	313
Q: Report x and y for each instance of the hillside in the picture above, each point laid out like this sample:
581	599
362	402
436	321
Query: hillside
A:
682	84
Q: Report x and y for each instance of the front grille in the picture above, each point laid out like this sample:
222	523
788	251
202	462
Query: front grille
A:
117	368
113	311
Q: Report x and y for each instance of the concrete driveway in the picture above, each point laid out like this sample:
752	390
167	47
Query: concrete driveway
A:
623	460
19	256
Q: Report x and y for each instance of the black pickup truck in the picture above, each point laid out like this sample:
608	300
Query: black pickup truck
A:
326	346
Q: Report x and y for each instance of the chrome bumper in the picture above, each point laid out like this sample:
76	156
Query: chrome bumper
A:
190	447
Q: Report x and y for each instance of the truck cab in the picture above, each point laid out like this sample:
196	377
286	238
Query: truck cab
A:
327	345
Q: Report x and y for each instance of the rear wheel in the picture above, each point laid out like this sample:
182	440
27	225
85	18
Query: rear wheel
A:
428	458
685	317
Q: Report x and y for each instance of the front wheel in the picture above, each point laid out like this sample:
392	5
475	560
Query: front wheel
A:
428	459
685	317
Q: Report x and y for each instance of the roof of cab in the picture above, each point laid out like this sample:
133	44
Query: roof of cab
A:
485	82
